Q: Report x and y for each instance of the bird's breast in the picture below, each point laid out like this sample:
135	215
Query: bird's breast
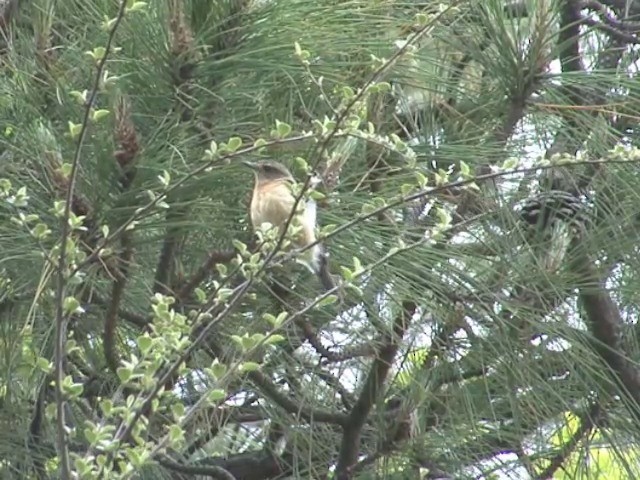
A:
273	204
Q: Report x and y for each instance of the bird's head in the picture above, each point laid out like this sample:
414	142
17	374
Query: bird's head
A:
269	170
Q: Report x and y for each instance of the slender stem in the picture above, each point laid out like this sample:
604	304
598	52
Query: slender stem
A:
61	280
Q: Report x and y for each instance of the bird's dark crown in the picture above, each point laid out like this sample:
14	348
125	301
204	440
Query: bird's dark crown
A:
269	170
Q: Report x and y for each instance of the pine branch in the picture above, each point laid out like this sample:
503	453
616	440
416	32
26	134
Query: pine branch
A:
371	391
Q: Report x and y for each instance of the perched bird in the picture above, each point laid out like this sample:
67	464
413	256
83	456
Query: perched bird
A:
553	206
554	218
272	202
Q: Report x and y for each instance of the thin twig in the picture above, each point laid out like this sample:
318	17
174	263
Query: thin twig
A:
60	336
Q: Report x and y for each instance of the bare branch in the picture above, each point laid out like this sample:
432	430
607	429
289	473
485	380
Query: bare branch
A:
605	323
587	421
371	391
271	391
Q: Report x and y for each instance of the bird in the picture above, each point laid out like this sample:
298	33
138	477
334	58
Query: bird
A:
554	218
551	206
272	201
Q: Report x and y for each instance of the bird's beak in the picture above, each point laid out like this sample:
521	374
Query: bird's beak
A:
251	165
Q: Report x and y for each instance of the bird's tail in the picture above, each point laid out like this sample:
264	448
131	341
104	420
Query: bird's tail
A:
321	267
316	259
322	270
319	256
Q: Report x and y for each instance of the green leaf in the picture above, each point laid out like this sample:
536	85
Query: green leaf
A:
70	388
273	339
355	290
510	163
422	19
176	433
106	405
241	247
144	343
328	300
384	87
136	6
405	189
165	178
357	266
222	269
5	185
248	342
91	435
216	395
177	409
97	53
398	144
72	305
124	374
300	53
282	316
347	274
201	295
465	169
41	231
108	23
315	195
80	97
422	179
98	115
234	144
44	364
328	229
74	129
223	294
210	153
269	317
283	129
218	370
348	92
249	367
367	209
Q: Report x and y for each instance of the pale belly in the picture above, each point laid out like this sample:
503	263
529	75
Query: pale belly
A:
275	208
